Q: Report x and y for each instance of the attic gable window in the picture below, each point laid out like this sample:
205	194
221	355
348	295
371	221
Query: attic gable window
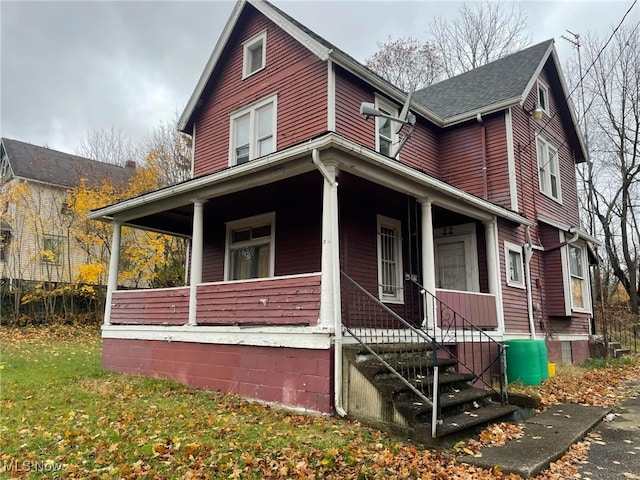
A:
253	131
548	169
254	54
543	97
386	138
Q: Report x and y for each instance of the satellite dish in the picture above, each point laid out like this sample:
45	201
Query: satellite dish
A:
404	114
405	118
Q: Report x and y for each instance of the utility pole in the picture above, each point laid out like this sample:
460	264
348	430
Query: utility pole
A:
575	41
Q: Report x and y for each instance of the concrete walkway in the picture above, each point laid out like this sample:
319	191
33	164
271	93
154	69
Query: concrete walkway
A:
616	453
546	438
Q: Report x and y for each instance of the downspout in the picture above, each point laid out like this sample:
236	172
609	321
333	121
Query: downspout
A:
335	270
483	148
528	253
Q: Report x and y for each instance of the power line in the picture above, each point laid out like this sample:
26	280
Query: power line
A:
597	57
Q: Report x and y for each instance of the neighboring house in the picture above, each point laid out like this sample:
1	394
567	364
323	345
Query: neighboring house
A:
308	238
35	227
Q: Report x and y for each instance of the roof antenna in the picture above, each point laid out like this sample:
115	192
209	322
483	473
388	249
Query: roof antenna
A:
406	118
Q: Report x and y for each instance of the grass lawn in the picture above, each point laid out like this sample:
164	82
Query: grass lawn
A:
62	416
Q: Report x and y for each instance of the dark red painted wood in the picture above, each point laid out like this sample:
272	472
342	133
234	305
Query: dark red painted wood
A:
275	301
151	307
479	309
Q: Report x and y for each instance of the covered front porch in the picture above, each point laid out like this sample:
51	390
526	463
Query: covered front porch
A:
268	243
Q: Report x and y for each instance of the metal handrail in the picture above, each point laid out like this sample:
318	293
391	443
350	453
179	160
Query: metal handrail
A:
450	327
381	325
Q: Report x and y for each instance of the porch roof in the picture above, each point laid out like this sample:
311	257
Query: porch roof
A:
170	210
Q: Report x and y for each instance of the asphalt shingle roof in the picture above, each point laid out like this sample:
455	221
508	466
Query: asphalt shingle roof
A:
490	84
58	168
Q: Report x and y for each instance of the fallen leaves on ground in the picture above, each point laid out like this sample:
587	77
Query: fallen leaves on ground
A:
60	408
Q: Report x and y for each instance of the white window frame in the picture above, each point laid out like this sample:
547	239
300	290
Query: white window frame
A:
582	276
548	170
508	249
544	104
248	47
58	252
252	111
396	226
250	222
387	107
460	233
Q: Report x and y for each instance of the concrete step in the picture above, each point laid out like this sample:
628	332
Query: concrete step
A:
472	418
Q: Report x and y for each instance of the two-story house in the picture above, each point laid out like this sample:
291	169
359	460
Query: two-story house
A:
36	246
310	235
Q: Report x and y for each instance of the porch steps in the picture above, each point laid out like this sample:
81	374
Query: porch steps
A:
462	406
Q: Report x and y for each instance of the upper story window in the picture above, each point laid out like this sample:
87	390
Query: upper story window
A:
513	259
5	240
386	138
578	273
253	131
52	249
548	169
389	260
250	248
543	97
254	53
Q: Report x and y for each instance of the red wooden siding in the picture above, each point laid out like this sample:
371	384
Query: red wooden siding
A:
164	306
530	200
288	376
468	149
461	158
289	67
274	301
514	300
477	308
554	277
497	160
420	152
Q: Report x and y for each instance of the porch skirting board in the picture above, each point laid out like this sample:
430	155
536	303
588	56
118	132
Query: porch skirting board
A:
299	378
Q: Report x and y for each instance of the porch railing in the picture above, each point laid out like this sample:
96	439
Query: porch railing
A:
472	347
378	328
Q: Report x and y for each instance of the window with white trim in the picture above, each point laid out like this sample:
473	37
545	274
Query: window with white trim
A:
386	138
253	131
52	249
579	276
250	248
513	259
548	169
543	97
254	52
389	233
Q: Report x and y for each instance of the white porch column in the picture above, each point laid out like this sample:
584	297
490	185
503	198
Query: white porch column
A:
197	241
330	257
114	262
428	259
493	267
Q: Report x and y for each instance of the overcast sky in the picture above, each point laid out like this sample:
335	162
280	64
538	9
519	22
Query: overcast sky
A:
71	67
